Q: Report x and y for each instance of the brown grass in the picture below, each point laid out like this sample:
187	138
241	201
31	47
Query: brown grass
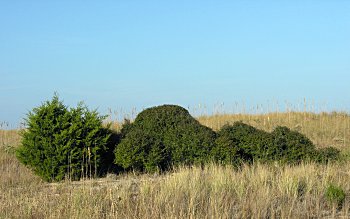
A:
258	191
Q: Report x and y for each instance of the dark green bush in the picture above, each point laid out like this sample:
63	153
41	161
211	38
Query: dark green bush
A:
60	142
241	143
226	150
291	146
161	137
326	155
167	135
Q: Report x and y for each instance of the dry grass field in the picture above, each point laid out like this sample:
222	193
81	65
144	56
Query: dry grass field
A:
257	191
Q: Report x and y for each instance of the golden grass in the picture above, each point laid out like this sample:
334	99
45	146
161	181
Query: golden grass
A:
257	191
9	138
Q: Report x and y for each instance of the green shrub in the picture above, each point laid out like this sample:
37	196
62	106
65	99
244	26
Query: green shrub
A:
335	195
226	150
241	143
326	155
291	146
161	137
60	142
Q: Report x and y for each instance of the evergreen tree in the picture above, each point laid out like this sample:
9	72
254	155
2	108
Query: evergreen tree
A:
60	142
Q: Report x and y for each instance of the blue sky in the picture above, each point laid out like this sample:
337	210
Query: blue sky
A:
125	54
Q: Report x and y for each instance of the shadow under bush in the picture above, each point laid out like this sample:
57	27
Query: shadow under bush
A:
107	164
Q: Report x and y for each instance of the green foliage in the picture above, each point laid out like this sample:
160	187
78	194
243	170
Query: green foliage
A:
64	142
243	143
326	155
125	128
163	136
291	146
60	142
335	195
167	135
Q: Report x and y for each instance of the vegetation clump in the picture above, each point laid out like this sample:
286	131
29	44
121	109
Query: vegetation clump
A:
163	136
335	195
60	142
240	142
291	146
326	155
64	142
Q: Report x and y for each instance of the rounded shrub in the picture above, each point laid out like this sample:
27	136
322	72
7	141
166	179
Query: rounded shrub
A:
240	142
163	136
326	155
291	146
60	142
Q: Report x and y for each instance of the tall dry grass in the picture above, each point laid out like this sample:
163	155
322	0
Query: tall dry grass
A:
257	191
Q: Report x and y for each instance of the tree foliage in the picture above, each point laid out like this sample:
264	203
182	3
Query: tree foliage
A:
60	142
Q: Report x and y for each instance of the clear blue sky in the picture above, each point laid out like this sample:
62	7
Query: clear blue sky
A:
124	54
